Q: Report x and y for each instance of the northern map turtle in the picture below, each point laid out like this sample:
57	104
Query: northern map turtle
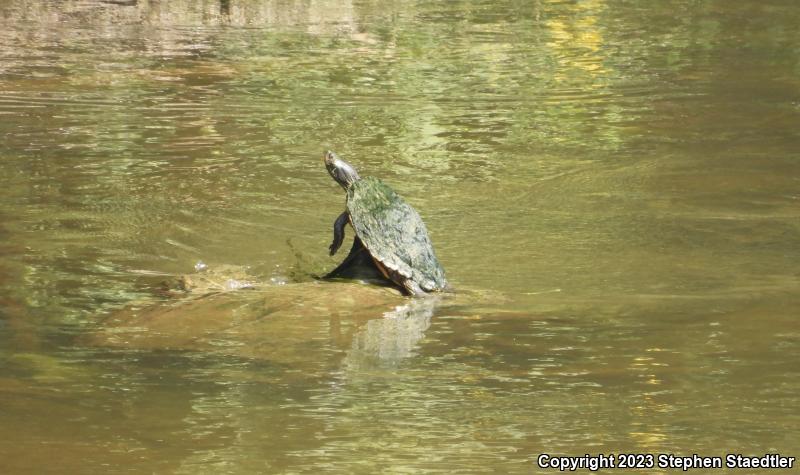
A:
390	230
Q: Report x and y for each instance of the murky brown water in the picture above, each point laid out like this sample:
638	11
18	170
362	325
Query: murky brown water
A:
614	188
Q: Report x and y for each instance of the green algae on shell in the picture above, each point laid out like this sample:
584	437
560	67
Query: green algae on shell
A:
394	233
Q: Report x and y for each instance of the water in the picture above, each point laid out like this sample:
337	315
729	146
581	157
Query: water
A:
613	187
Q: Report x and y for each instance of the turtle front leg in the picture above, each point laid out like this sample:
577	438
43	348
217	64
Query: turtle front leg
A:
338	231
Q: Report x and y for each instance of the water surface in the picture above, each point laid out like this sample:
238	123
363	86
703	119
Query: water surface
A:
613	187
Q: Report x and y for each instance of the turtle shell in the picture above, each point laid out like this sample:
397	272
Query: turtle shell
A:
393	233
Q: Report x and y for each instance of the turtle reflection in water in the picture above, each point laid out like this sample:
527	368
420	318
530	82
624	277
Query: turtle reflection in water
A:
387	228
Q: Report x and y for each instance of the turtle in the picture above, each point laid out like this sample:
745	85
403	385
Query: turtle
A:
390	230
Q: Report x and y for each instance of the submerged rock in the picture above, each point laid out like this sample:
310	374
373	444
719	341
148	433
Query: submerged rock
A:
295	325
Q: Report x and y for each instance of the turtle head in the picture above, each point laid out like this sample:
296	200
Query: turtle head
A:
341	171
